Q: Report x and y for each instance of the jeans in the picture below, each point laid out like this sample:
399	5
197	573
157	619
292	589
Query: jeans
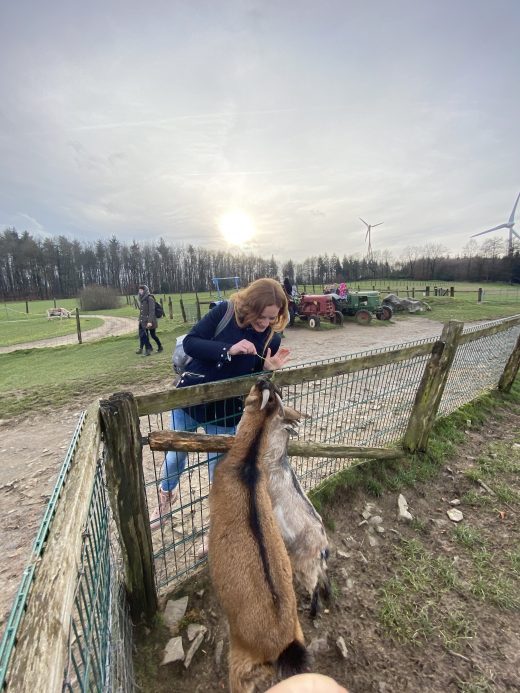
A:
175	462
144	342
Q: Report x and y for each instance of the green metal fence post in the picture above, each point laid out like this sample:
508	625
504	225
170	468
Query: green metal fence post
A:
125	480
429	394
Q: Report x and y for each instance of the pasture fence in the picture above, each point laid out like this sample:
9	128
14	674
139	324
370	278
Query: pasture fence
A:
98	566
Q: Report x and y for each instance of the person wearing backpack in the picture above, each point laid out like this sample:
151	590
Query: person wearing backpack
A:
147	322
249	342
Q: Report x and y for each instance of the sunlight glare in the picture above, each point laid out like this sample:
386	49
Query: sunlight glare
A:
237	227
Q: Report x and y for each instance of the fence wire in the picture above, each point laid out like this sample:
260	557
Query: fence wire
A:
370	407
100	637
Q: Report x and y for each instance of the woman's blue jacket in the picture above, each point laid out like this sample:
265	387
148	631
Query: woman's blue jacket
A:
211	362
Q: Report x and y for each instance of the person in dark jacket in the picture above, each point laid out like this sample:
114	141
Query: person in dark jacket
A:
249	343
147	322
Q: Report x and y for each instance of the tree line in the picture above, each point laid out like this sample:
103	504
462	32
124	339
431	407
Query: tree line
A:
57	267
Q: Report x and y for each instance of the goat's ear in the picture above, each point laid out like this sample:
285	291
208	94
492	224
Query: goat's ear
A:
293	415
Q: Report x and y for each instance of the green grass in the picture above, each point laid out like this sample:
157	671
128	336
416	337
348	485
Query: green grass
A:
33	328
410	605
35	379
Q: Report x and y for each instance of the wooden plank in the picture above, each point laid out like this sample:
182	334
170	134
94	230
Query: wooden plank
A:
201	442
39	659
488	331
157	402
124	470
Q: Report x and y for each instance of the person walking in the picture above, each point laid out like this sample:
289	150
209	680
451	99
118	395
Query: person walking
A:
147	322
248	343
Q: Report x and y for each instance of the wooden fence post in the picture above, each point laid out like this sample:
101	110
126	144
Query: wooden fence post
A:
479	298
170	307
508	376
429	394
427	291
125	481
197	303
78	327
182	310
452	291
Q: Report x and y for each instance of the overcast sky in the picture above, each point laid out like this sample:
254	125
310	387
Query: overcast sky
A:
148	120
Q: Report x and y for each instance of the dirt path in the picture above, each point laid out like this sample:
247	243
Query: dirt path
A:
32	449
111	327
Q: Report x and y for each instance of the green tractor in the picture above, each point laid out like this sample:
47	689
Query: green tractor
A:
363	305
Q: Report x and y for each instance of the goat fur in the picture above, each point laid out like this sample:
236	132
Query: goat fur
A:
301	526
248	562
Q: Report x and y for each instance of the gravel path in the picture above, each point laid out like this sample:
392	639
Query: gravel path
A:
111	327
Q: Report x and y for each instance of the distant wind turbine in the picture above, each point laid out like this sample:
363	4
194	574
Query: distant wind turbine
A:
508	225
369	237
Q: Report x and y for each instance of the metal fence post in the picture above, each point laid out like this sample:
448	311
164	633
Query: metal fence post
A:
508	376
124	471
429	394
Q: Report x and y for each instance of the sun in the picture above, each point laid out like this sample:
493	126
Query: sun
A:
237	227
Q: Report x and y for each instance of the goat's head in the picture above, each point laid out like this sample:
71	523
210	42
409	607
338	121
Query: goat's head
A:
281	421
263	396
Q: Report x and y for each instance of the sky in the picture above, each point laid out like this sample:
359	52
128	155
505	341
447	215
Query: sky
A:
156	120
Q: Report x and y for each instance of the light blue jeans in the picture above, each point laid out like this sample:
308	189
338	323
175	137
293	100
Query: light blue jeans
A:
175	462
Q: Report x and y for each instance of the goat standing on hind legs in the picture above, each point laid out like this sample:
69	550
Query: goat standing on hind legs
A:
248	561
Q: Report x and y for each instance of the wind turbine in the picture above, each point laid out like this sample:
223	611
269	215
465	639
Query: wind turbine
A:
368	236
508	225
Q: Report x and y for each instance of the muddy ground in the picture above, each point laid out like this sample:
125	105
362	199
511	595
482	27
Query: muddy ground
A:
461	637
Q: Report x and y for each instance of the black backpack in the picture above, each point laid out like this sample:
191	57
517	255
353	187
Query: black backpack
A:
159	311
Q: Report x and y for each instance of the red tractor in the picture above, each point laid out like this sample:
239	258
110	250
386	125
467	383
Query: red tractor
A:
313	308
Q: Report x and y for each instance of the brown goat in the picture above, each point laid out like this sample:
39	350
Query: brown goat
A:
248	561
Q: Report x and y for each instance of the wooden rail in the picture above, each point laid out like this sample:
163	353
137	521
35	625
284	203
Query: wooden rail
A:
164	441
158	402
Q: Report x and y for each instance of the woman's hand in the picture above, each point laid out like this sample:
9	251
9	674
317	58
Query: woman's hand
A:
244	346
308	683
271	363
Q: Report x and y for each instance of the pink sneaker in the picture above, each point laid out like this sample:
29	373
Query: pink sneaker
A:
166	500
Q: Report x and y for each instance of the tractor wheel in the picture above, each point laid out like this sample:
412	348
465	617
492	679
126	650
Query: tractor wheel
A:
337	318
386	313
363	317
314	322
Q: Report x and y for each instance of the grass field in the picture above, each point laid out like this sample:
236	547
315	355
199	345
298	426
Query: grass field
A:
36	379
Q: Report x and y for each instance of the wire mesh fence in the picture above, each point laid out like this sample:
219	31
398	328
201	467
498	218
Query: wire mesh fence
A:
367	407
99	656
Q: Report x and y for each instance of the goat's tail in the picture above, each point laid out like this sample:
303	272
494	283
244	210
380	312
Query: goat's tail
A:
293	660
